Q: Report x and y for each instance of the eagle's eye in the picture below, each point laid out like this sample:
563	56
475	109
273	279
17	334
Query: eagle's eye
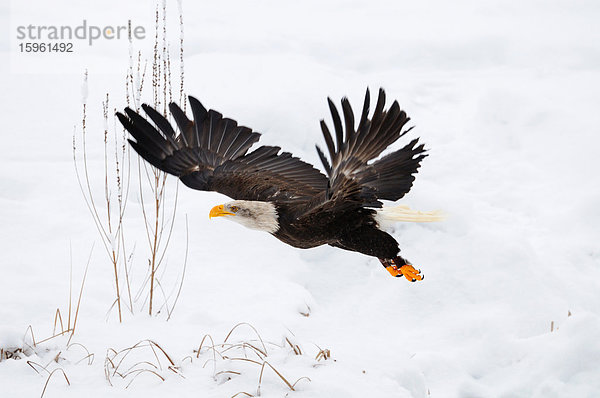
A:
234	208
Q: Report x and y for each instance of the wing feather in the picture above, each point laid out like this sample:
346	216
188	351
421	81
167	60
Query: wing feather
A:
337	123
186	126
211	154
354	178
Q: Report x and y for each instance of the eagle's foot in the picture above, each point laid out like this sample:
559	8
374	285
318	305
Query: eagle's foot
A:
411	273
406	270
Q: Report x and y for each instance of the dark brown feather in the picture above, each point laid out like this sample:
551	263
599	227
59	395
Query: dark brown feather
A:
210	154
353	180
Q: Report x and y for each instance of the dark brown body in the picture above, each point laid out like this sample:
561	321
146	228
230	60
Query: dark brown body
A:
354	230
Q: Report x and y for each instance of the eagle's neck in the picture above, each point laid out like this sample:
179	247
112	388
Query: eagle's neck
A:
257	215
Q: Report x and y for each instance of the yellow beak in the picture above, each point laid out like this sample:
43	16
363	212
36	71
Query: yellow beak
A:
218	211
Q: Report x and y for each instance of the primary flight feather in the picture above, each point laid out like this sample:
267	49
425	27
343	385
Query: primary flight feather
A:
278	193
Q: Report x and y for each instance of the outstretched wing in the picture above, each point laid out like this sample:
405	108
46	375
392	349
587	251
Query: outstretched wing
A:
353	181
210	154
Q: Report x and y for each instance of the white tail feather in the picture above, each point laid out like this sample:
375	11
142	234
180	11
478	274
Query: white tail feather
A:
403	213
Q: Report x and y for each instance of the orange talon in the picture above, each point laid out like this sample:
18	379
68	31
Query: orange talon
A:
393	270
410	273
406	270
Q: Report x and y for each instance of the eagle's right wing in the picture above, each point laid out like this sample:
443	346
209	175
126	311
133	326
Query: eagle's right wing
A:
354	180
210	154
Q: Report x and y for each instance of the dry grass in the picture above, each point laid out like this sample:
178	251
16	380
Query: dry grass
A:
158	201
324	354
62	334
252	352
295	347
159	227
47	369
158	221
145	357
228	360
148	359
12	353
30	343
51	368
50	376
108	223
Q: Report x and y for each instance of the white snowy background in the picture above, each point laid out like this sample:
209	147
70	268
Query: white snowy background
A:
506	95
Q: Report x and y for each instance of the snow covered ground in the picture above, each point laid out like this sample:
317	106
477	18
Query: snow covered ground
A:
505	95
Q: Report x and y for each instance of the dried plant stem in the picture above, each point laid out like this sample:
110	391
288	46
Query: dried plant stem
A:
158	227
70	283
50	376
81	294
114	258
111	228
187	234
181	69
155	242
276	372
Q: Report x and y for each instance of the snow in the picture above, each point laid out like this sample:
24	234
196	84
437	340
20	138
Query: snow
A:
504	95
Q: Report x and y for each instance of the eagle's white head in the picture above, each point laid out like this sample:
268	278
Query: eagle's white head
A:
252	214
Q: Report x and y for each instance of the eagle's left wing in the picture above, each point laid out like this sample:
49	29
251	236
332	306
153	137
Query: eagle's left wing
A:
211	154
356	179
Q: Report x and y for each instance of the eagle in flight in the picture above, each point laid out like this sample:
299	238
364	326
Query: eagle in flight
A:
278	193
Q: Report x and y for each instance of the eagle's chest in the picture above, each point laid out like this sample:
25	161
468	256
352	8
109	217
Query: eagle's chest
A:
320	229
303	236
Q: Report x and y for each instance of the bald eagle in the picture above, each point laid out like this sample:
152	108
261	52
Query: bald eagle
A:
278	193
